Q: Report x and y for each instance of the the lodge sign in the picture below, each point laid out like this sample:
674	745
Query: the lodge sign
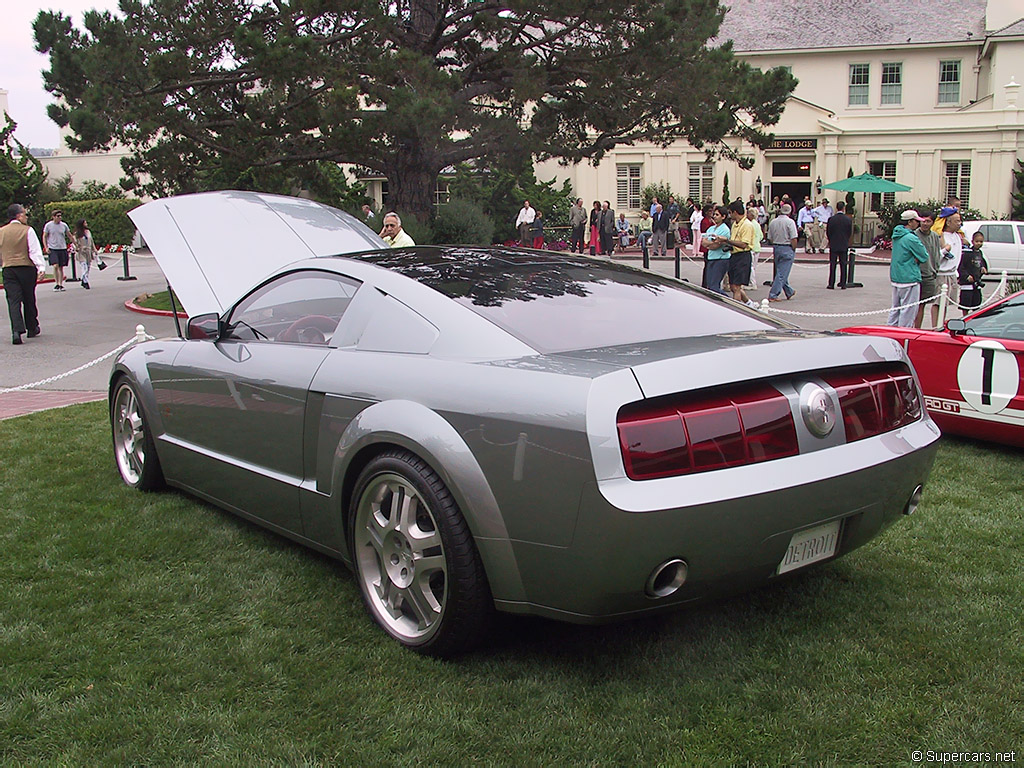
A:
794	144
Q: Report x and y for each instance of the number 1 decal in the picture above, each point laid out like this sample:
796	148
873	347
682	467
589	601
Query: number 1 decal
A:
988	357
987	376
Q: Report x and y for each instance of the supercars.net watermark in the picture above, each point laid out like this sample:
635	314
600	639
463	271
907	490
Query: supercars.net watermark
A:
963	757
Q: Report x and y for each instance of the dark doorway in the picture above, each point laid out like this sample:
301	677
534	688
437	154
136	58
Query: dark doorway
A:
797	190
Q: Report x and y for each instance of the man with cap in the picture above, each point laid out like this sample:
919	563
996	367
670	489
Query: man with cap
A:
805	223
782	235
908	254
22	260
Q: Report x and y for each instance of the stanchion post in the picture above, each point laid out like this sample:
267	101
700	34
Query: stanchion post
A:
943	303
124	263
678	265
647	253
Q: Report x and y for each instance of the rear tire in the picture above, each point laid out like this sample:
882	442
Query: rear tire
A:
134	449
418	569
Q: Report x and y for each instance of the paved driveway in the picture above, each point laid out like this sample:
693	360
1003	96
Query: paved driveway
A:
80	326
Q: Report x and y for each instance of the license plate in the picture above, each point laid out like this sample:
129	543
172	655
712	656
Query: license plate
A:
810	546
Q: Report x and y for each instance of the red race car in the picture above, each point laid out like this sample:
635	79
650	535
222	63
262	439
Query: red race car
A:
971	371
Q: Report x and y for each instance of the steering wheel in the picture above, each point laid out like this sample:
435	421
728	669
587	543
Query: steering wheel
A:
318	323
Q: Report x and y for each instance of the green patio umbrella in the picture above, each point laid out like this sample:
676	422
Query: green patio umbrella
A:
866	182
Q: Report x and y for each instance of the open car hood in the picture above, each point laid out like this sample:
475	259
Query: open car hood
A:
214	246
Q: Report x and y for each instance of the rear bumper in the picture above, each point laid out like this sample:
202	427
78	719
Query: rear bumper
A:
729	544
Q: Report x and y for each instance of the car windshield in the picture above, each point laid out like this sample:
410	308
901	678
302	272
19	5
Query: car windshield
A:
559	302
1003	321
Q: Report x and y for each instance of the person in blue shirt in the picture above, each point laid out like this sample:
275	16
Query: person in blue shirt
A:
717	241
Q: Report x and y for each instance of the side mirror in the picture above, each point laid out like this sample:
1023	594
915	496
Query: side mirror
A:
956	327
204	327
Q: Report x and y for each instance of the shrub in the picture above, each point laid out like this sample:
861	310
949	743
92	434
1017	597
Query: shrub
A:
662	190
108	220
463	222
422	234
889	214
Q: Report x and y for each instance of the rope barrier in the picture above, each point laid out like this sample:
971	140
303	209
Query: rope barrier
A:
140	336
941	296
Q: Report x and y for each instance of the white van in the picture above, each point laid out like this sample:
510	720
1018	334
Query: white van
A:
1004	243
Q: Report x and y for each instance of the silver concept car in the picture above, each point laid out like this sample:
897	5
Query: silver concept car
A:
473	429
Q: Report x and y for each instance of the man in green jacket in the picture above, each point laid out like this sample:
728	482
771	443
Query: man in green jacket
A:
908	254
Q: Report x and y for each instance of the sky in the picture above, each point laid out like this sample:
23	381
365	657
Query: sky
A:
22	73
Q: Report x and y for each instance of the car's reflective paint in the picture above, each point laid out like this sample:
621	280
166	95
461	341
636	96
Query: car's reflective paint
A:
972	382
282	430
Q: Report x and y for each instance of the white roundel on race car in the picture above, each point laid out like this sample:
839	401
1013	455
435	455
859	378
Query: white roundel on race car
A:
988	376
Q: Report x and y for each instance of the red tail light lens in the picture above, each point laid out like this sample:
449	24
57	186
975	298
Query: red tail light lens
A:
705	431
875	400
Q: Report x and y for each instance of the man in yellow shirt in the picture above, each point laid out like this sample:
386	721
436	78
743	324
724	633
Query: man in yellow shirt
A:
745	240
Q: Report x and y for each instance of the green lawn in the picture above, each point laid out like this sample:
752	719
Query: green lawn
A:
160	300
153	629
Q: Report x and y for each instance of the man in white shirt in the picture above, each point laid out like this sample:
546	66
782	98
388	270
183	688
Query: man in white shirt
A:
21	258
695	221
393	234
807	222
523	222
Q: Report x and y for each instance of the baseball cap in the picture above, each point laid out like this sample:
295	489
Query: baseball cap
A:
910	215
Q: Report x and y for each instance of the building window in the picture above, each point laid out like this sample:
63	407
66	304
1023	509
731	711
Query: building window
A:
384	195
892	83
791	169
885	169
441	193
702	175
860	75
949	82
958	181
629	181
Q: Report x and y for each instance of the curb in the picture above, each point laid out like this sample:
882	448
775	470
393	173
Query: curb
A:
131	306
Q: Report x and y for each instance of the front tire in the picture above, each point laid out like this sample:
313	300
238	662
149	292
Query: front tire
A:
134	449
418	569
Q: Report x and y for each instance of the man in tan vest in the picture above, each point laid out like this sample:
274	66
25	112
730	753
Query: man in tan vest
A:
22	260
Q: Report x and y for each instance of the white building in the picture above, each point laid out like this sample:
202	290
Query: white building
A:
918	91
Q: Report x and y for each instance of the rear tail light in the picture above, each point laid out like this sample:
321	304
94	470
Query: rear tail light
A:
709	430
753	422
875	400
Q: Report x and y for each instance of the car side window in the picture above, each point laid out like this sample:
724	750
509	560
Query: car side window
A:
297	308
1020	232
1004	321
997	233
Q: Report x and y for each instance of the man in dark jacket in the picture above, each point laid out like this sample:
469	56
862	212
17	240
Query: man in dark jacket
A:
578	221
839	230
607	229
659	226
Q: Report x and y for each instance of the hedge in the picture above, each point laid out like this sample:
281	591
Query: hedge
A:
107	219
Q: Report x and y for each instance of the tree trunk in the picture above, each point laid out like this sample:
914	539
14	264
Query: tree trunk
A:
411	188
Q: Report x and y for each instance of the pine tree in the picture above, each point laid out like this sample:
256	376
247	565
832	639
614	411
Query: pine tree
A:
251	94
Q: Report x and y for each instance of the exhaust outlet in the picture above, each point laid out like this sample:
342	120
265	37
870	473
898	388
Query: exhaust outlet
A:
915	499
666	579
